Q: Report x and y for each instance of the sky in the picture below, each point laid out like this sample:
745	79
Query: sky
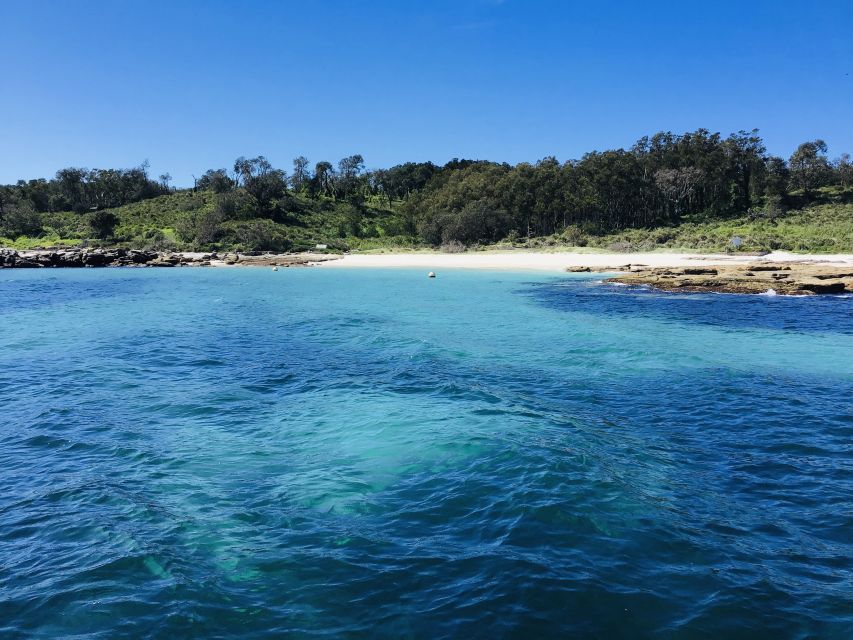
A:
191	86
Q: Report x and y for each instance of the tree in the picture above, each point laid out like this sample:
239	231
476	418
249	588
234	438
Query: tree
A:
261	181
242	168
80	189
37	192
745	155
70	183
324	175
402	180
300	177
20	219
6	196
809	166
165	179
103	224
266	187
478	221
349	175
351	166
776	178
844	170
216	180
677	185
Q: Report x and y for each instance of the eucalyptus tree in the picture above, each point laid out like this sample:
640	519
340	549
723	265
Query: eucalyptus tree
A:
677	186
300	177
776	178
261	181
71	187
809	166
216	180
844	170
745	155
324	179
349	178
18	217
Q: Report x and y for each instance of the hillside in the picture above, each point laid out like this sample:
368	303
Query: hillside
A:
694	191
204	220
819	228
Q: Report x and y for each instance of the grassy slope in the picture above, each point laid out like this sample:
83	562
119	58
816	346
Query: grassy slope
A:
826	228
822	228
309	222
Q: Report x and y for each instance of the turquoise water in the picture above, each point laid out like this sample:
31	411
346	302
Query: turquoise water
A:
214	453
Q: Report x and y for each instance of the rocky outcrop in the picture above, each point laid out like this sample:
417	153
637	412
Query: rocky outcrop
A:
792	278
74	258
57	258
585	269
274	259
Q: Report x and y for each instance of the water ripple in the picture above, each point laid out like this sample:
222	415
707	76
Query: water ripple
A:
229	453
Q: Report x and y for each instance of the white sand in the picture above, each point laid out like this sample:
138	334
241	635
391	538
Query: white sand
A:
559	261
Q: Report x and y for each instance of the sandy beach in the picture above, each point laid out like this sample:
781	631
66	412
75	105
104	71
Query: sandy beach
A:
561	261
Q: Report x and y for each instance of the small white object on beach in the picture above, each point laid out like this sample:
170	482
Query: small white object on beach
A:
431	274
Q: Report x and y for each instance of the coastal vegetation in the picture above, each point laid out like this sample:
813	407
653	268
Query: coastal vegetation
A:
695	191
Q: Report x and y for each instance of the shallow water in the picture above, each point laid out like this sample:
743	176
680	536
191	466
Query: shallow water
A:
236	452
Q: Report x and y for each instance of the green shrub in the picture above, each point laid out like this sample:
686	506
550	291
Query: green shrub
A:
256	235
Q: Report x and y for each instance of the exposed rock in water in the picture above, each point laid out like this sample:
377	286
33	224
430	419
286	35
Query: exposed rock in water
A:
50	258
794	278
826	286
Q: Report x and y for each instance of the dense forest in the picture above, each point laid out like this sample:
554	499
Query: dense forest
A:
661	182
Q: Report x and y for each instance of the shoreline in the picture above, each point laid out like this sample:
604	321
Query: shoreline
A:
772	273
559	262
542	261
137	258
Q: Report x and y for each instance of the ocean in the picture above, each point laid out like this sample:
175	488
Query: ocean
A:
328	452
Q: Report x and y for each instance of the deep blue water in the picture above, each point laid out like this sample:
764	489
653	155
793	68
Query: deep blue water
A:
217	453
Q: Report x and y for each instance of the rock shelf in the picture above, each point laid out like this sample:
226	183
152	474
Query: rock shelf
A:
790	278
59	258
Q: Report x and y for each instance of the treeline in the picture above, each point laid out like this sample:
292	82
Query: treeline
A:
77	190
661	180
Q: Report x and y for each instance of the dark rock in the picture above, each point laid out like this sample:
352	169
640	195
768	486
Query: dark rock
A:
699	271
824	286
768	267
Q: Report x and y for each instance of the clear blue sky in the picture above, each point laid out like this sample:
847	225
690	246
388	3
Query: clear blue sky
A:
192	85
